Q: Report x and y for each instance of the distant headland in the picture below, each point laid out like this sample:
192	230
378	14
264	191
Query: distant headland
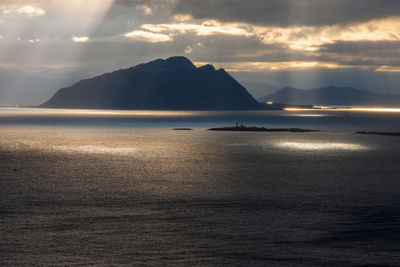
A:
331	96
380	133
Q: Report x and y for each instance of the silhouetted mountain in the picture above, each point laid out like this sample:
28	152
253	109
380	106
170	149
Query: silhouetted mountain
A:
174	83
330	96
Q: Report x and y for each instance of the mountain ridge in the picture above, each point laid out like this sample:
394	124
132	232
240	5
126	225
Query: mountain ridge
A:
330	96
173	83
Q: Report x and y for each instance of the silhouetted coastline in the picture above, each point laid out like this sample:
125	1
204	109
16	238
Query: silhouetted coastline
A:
380	133
182	129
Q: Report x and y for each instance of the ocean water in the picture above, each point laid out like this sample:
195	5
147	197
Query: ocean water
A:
110	188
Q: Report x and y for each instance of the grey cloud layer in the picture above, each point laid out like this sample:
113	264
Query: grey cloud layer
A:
290	12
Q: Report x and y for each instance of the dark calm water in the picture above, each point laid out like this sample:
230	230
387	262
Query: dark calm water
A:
121	188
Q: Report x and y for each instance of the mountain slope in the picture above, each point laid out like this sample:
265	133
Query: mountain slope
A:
174	83
330	96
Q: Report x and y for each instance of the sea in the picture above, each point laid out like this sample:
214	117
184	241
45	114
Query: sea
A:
123	188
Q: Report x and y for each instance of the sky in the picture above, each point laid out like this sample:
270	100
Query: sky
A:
265	44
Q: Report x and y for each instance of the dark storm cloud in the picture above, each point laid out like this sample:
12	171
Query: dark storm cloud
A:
165	5
362	47
142	2
290	12
363	53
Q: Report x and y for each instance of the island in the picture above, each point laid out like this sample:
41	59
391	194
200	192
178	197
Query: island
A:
182	129
242	128
163	84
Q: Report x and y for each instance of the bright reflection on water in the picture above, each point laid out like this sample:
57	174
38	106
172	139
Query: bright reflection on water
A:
91	112
307	145
364	109
376	109
307	115
95	149
318	119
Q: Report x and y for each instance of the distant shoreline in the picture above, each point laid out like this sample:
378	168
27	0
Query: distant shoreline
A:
380	133
260	106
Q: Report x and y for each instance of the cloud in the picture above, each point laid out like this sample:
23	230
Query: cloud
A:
364	53
148	36
31	11
388	69
273	66
188	49
157	3
312	38
145	9
289	12
300	38
390	48
206	28
32	41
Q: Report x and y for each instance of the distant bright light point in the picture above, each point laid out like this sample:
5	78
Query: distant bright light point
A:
270	103
315	146
82	39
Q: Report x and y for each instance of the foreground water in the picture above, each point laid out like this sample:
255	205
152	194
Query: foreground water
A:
122	188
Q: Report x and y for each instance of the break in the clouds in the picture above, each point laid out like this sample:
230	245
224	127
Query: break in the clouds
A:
81	39
147	36
259	41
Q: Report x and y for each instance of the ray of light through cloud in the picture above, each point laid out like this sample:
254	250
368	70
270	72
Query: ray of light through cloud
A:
75	18
45	24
